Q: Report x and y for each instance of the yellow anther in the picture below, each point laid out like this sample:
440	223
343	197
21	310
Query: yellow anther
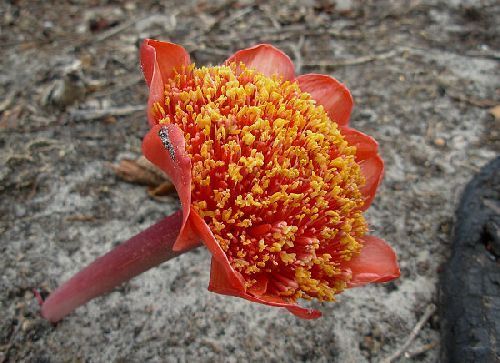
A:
248	138
287	257
234	172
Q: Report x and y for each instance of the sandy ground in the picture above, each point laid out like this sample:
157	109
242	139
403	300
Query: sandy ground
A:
424	76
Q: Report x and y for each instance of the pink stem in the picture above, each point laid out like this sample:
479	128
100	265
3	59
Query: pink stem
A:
143	251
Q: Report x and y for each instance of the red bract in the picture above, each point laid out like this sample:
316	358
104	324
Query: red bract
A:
269	174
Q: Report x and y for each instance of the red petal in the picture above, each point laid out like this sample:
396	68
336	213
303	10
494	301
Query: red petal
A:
366	146
222	283
166	55
172	158
235	279
278	301
266	59
373	170
260	286
331	94
377	262
304	313
156	94
188	237
158	61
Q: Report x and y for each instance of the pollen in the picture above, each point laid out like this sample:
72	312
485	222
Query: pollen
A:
272	176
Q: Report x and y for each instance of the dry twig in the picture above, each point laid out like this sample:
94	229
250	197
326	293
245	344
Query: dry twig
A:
7	101
352	62
131	81
429	311
297	50
80	218
420	350
115	30
6	348
472	100
88	115
234	17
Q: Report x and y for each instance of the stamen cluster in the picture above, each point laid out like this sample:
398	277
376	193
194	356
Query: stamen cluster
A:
271	175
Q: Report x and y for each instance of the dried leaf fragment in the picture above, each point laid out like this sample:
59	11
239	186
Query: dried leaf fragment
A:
140	171
495	111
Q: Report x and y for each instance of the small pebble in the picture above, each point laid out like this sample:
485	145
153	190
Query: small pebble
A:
26	325
20	211
439	142
28	295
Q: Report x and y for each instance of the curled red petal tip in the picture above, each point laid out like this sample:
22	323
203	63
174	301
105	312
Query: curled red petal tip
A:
165	55
377	262
229	282
159	60
266	59
164	145
373	170
304	313
331	94
366	146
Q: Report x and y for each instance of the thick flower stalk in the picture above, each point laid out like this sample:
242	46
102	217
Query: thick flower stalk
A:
270	177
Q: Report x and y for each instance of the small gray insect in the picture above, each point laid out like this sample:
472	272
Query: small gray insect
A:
165	139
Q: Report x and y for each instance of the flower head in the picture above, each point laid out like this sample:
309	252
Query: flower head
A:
269	175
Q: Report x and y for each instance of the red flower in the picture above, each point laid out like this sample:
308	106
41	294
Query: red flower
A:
269	174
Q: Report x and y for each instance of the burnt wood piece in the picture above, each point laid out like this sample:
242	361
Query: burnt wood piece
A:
470	283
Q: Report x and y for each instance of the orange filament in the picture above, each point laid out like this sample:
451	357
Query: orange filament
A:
271	175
